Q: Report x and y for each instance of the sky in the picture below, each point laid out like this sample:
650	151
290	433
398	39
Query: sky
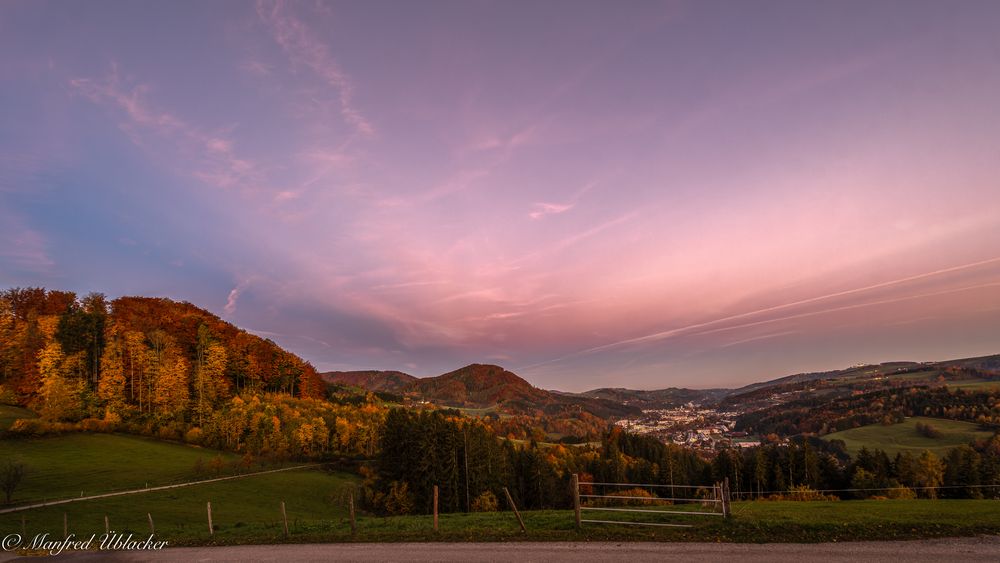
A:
590	194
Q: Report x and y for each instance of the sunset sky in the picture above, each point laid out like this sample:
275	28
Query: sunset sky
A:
626	194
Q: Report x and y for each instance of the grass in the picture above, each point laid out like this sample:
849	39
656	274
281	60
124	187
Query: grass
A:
71	464
247	511
10	413
244	510
904	436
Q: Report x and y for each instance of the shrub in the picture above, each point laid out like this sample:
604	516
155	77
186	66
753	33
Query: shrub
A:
636	493
900	492
398	500
928	430
31	427
807	493
193	436
486	502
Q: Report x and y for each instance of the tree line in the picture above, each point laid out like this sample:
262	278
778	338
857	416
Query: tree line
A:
134	359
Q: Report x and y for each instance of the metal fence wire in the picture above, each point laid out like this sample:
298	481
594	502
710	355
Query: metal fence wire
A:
718	498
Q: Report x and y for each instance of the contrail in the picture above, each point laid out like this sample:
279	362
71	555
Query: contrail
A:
848	307
673	332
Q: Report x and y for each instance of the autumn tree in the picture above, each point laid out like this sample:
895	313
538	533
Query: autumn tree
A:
111	387
210	383
58	397
171	393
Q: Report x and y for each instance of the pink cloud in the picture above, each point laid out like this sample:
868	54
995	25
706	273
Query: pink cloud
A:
543	209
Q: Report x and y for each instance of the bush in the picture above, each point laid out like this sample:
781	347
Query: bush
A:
398	500
900	492
805	493
31	427
928	430
94	425
193	436
636	493
486	502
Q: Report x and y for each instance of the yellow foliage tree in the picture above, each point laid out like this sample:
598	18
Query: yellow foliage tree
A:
59	398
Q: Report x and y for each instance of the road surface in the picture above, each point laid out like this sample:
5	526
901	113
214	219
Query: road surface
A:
941	550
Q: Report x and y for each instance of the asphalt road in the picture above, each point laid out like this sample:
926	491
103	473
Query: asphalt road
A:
944	550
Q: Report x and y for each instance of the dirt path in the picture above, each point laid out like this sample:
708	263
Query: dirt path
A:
151	489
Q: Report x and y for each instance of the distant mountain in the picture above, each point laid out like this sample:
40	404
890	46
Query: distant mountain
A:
372	380
481	386
822	387
659	398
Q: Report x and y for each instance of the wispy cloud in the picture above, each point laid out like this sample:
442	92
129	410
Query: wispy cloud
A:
303	48
543	209
761	337
694	328
234	295
209	157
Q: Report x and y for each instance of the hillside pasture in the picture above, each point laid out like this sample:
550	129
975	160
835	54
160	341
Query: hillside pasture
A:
903	436
247	508
84	464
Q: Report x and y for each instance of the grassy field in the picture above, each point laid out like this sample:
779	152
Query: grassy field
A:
904	436
71	464
247	511
243	510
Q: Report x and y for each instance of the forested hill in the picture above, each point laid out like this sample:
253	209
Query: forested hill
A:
482	386
71	357
372	380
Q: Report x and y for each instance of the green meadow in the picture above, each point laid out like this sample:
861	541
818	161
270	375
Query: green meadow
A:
903	436
84	464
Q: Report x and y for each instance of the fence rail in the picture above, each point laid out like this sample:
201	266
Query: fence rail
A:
721	497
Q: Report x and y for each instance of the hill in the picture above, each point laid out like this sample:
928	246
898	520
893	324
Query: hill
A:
372	380
480	385
656	399
483	386
166	361
823	387
895	438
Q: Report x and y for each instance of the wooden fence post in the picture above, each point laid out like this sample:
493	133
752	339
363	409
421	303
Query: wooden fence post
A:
516	513
725	498
284	517
211	530
576	499
350	503
435	508
152	529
